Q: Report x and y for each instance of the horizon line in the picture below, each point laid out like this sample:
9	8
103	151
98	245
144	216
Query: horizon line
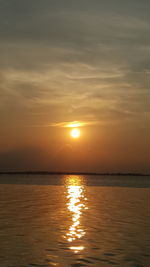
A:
73	173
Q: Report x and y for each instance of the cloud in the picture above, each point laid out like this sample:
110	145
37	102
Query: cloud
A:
65	61
73	124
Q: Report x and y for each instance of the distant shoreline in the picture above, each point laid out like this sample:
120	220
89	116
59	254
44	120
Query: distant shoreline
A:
70	173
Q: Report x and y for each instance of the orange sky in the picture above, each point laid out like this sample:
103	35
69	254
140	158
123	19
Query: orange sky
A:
85	61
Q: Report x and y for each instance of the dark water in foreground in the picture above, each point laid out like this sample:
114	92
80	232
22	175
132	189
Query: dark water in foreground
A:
74	221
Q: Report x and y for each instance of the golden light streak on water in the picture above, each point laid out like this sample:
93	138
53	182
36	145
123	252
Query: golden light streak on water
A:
76	204
77	249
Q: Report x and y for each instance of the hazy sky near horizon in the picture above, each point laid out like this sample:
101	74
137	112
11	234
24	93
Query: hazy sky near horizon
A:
71	60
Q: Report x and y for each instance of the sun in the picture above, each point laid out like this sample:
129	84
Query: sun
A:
75	133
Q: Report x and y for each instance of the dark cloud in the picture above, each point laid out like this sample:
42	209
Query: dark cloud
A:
81	24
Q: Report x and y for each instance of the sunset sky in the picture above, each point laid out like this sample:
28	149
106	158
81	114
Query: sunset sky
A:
70	61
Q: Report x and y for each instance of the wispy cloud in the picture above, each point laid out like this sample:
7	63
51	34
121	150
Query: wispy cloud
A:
73	124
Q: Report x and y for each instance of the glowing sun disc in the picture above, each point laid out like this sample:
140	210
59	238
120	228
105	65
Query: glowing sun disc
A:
75	133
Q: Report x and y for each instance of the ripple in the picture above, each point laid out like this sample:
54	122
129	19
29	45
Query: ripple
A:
77	265
109	254
85	260
94	258
37	265
146	255
34	234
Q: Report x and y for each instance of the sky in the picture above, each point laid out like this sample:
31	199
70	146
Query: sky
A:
65	61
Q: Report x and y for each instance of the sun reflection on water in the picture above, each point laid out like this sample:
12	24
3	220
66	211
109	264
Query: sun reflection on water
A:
76	204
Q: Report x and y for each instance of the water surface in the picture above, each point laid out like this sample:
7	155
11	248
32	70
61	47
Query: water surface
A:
74	221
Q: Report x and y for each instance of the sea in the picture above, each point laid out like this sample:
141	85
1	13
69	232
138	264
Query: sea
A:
74	220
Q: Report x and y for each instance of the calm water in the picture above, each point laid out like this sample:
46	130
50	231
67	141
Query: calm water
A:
74	221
